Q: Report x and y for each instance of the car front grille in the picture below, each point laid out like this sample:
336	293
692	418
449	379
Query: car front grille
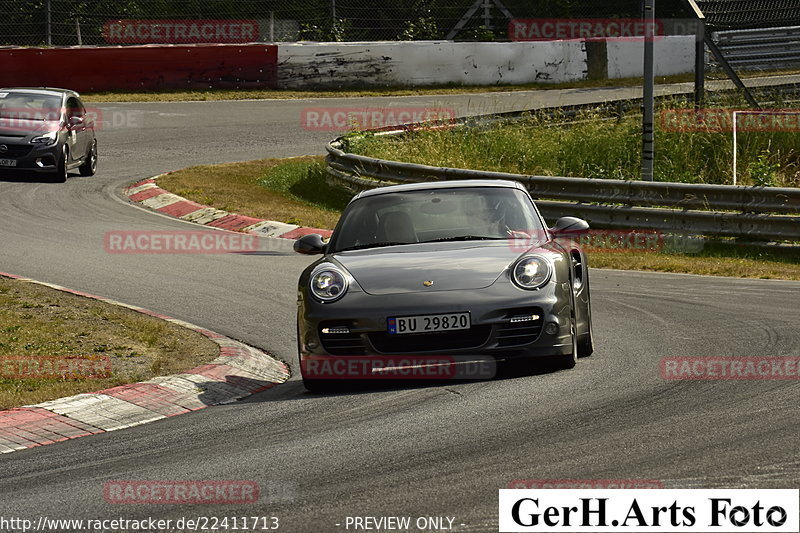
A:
430	342
15	150
520	333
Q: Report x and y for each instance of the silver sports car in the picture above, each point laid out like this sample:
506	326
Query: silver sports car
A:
442	270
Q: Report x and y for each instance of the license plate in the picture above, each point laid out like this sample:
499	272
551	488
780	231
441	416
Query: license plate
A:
8	162
427	323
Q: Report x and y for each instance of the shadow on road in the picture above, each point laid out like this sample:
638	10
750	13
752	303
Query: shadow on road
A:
295	390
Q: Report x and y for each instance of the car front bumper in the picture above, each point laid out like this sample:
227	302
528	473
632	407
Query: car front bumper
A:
506	322
32	158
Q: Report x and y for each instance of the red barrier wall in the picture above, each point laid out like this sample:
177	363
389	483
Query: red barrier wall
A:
141	67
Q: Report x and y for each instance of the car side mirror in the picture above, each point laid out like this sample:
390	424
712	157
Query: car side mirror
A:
75	121
310	244
569	226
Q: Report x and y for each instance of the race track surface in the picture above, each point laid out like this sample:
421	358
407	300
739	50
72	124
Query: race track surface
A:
439	450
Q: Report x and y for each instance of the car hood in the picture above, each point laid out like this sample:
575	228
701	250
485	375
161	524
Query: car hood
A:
16	128
450	266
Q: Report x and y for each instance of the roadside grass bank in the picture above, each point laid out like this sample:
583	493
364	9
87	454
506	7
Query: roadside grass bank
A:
599	146
290	190
295	191
354	92
43	329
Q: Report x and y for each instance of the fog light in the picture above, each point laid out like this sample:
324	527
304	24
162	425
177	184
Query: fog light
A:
524	318
551	328
39	162
338	330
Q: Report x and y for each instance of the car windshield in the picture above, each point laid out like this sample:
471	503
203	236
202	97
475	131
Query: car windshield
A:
435	215
30	106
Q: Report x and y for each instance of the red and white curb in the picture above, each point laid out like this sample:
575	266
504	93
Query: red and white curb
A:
149	194
239	371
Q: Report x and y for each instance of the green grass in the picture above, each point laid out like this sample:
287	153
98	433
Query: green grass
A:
292	190
597	148
306	183
38	324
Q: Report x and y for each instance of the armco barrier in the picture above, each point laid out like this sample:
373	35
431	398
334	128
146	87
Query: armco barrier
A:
719	210
141	67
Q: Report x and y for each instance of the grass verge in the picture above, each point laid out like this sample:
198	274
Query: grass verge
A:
598	146
287	190
345	92
294	190
40	326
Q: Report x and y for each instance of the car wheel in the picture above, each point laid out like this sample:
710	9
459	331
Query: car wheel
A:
313	385
586	345
322	385
60	175
564	362
89	167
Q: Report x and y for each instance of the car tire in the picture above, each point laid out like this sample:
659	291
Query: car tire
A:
586	345
322	385
314	385
565	362
60	175
89	167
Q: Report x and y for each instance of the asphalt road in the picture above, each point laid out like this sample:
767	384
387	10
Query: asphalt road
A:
440	450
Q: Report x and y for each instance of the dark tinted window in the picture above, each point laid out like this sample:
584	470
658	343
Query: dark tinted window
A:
435	215
31	106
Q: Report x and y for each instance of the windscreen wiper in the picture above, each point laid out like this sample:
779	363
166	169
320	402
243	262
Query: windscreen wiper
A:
373	245
468	238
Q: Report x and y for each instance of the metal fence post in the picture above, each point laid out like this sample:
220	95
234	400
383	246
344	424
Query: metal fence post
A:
47	29
272	26
648	133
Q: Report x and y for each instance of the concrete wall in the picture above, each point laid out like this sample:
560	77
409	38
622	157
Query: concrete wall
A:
332	65
428	63
674	55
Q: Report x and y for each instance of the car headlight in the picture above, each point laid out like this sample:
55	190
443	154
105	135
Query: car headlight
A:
531	272
47	138
328	283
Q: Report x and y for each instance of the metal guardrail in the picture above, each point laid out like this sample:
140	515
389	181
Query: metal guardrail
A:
719	210
760	49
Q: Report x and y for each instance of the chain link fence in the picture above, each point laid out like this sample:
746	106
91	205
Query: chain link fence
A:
119	22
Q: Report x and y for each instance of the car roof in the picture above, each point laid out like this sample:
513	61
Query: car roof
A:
429	185
53	91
